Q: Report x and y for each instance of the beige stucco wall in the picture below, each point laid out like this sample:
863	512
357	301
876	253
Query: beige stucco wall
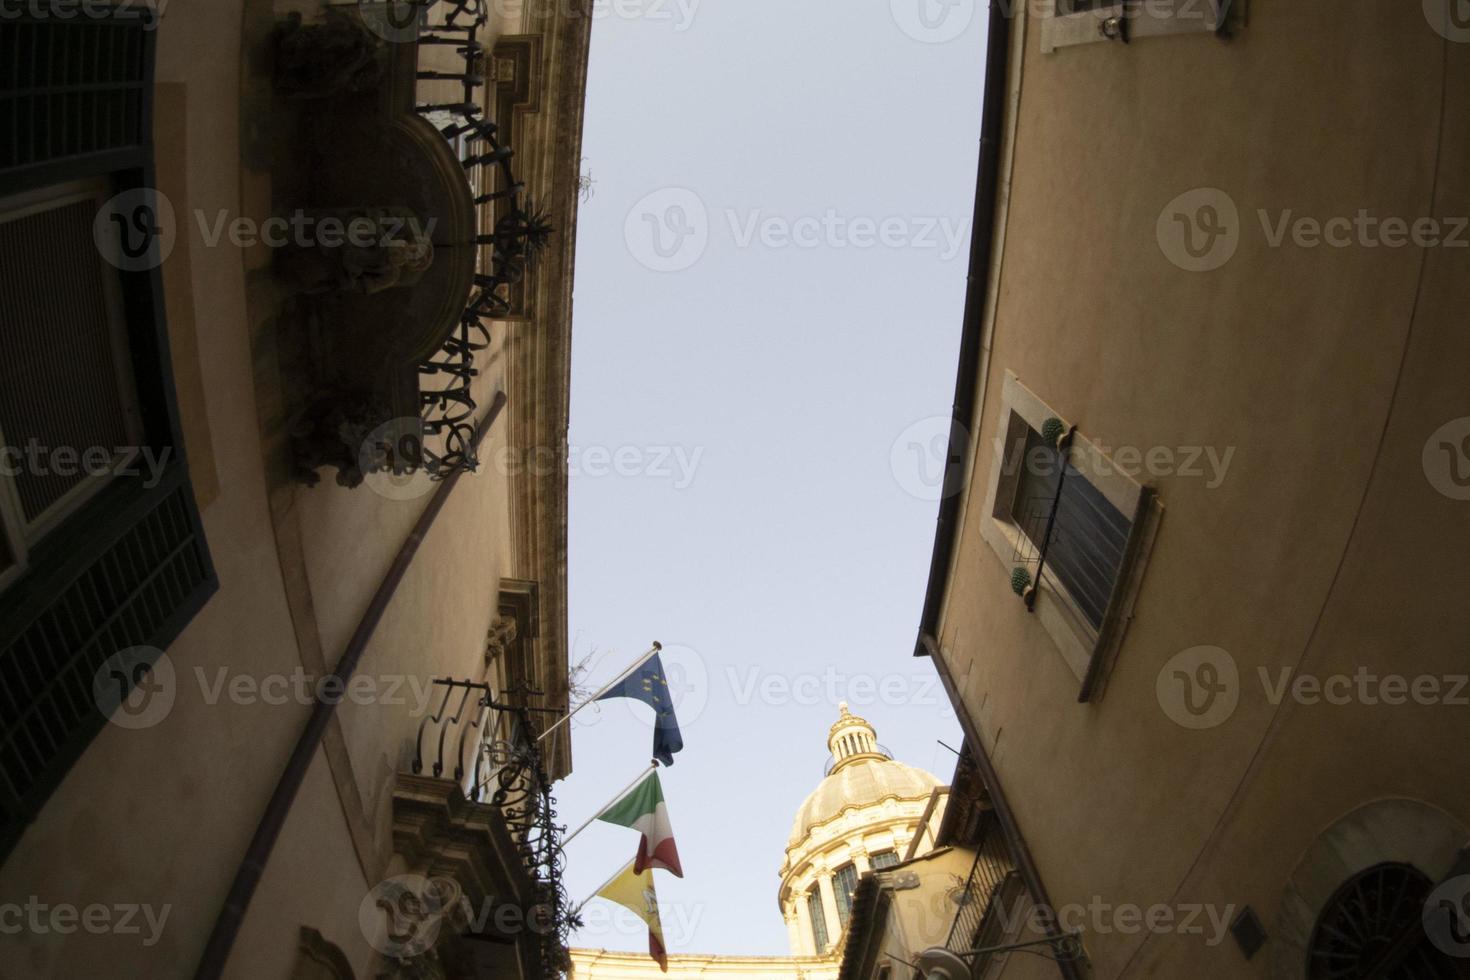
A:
1325	549
161	816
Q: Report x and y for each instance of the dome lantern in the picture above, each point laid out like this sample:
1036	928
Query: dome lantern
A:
851	739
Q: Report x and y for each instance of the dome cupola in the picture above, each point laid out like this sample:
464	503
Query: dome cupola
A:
851	739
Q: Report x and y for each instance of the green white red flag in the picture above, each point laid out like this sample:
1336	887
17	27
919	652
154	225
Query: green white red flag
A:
643	810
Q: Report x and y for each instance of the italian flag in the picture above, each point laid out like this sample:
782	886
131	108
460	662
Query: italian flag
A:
643	810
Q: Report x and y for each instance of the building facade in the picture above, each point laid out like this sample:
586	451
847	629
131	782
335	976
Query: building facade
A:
1195	591
276	665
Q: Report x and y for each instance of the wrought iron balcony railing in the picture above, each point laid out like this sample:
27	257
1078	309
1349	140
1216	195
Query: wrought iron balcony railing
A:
511	229
993	882
494	744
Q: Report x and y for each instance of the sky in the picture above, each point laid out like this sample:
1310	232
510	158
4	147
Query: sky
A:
770	274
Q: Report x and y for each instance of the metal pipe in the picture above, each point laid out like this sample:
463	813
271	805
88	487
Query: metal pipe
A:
268	831
1025	864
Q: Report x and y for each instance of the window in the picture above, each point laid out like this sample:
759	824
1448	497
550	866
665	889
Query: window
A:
1071	22
101	547
884	859
1080	535
1374	927
1072	528
68	405
844	883
818	917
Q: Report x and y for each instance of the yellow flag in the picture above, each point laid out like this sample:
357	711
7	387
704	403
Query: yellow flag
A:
635	892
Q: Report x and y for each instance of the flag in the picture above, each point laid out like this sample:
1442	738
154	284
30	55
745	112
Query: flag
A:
643	810
647	684
634	891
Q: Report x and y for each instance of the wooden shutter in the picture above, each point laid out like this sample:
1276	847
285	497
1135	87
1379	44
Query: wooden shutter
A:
129	567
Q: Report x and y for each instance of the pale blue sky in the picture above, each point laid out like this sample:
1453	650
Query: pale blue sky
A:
762	527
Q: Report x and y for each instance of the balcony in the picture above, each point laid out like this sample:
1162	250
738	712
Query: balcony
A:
378	122
475	822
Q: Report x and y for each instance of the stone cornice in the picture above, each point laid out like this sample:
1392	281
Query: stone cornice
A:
539	351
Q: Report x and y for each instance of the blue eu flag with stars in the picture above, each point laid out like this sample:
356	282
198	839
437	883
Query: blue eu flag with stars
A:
648	684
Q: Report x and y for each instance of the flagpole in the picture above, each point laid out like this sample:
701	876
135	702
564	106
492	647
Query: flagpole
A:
615	876
657	646
609	804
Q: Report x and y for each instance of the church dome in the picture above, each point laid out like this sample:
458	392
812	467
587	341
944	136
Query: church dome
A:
863	774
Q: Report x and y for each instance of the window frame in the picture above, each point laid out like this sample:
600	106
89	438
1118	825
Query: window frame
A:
873	859
131	565
1062	27
20	535
817	914
843	899
1087	652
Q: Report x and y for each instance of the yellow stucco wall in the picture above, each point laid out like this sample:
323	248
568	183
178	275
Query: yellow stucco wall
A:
1326	370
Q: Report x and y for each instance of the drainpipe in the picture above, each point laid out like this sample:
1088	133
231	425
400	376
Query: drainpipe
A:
252	866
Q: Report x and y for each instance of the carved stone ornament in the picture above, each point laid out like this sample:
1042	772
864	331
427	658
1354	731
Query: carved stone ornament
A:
362	250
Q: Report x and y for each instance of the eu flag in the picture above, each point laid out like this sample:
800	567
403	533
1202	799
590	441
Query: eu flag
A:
648	684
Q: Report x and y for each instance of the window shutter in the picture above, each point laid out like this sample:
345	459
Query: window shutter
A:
128	566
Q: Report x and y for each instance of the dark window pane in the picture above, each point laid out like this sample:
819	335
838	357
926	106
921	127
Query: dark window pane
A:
844	882
1090	534
818	917
59	377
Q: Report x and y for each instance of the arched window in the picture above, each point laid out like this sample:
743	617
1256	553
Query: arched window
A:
818	917
844	883
1373	927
